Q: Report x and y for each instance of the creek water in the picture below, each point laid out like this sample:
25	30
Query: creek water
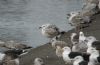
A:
20	19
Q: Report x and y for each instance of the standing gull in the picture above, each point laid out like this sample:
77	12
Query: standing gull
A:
74	38
82	37
13	45
81	46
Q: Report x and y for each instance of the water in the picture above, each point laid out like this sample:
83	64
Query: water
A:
20	19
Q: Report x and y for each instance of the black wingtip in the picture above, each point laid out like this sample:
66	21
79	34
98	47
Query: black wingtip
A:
63	32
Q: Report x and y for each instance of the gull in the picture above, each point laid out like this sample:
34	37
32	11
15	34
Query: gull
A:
94	55
38	61
82	37
74	18
13	45
68	55
59	51
12	56
77	19
50	30
55	42
78	60
93	42
74	38
79	45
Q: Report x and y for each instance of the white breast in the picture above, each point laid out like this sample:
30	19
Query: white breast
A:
17	61
1	56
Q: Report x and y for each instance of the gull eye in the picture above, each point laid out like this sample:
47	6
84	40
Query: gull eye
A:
86	40
40	60
43	26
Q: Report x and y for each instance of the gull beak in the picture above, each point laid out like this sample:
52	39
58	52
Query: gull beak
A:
40	27
68	14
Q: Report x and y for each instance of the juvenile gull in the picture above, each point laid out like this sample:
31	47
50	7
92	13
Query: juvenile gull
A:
81	46
55	42
93	1
50	30
78	20
91	8
78	47
38	61
74	38
13	45
12	57
74	18
59	51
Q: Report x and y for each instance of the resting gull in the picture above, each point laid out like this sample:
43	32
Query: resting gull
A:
55	42
68	55
93	42
94	55
78	60
13	45
12	56
50	30
38	61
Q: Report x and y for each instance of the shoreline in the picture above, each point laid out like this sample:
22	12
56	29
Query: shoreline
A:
47	53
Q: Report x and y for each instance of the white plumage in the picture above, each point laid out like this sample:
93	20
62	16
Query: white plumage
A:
78	60
81	37
38	61
90	40
66	51
74	38
2	55
94	55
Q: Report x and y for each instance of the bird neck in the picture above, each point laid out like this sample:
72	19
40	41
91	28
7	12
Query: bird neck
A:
89	44
66	52
37	63
95	53
79	60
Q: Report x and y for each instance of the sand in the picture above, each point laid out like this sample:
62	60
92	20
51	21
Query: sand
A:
47	53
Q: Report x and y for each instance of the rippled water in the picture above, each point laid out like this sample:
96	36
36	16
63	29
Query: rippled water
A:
20	19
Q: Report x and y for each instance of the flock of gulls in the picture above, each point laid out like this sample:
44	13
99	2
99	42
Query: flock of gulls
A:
84	49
